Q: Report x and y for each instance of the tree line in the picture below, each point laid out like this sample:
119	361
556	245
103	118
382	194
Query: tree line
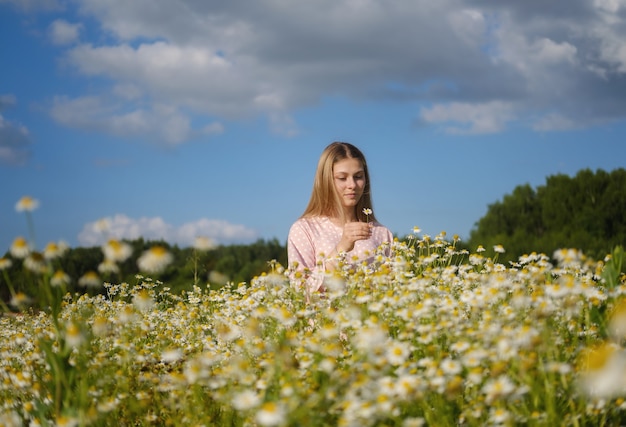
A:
225	263
586	212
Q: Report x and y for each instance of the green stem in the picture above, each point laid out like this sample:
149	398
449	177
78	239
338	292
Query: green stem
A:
195	267
5	308
31	228
9	284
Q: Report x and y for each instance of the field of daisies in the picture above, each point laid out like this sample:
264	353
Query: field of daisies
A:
429	336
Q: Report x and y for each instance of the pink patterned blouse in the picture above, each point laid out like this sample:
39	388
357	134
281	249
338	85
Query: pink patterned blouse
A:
313	239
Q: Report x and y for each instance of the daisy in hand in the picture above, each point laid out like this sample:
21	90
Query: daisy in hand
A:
367	212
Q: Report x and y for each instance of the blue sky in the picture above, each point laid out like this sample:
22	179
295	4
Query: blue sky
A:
181	118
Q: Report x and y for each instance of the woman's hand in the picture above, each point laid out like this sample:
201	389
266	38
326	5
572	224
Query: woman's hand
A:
353	231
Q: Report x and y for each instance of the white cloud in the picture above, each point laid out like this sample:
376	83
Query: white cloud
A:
219	230
14	137
610	6
7	100
468	118
283	124
233	60
160	123
123	227
14	142
613	50
214	128
554	122
469	25
127	91
62	32
550	52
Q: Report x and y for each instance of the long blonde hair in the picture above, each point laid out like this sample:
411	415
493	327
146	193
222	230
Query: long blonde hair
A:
324	198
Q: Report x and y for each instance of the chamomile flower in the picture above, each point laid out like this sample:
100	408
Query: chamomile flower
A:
20	247
499	416
194	370
10	419
451	367
603	371
54	250
203	243
460	346
217	278
36	262
143	300
568	257
154	260
26	204
398	352
108	266
100	326
171	355
271	414
117	251
74	337
63	421
369	339
59	278
90	280
246	400
5	263
407	384
20	300
499	249
498	388
228	332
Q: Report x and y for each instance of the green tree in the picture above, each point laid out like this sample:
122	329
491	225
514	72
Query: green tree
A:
584	212
239	263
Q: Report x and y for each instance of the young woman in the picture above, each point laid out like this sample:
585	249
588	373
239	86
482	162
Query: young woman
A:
339	222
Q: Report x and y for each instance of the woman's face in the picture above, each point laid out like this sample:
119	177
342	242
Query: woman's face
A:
349	178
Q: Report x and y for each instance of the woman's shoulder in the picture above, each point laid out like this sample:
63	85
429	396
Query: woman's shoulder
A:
307	223
377	224
379	228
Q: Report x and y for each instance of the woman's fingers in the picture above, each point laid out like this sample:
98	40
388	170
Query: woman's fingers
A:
358	230
353	231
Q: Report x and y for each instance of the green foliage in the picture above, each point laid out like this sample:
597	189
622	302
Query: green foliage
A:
614	269
584	212
236	263
242	262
